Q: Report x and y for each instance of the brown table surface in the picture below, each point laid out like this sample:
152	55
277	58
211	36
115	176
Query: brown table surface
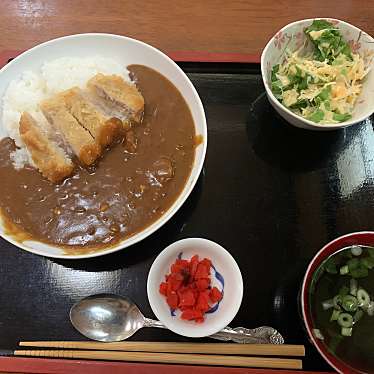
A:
220	26
241	26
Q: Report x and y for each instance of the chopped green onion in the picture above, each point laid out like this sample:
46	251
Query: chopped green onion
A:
277	89
346	331
341	117
368	262
300	104
330	266
317	333
360	272
337	300
325	93
370	309
344	290
356	250
274	71
363	298
345	320
353	302
353	285
344	270
335	315
326	103
358	315
349	303
353	264
371	252
316	116
330	43
328	304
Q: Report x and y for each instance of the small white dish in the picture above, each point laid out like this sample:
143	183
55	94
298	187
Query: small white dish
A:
291	37
222	262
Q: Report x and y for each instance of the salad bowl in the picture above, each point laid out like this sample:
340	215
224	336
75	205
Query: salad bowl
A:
292	38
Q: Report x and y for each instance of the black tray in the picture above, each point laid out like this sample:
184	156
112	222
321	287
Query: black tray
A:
271	194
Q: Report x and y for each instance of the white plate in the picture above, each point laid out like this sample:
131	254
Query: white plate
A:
126	51
225	270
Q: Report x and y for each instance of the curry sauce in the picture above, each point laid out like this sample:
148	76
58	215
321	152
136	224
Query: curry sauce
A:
135	182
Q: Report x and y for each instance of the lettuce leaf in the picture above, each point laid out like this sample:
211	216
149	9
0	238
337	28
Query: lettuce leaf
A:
318	25
330	44
316	116
274	71
341	117
325	93
276	84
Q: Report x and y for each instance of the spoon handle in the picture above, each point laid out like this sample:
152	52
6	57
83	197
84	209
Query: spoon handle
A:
148	322
259	335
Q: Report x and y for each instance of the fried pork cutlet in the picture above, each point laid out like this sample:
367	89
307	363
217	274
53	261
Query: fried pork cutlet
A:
118	93
79	139
102	128
49	158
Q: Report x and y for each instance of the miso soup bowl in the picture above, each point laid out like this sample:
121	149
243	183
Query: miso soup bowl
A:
126	51
361	238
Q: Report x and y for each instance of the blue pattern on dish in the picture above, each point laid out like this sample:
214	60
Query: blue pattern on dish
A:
219	277
221	280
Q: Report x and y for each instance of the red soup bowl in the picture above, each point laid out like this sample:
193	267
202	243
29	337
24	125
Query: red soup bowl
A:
357	238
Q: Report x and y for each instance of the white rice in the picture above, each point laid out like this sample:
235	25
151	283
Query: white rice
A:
24	93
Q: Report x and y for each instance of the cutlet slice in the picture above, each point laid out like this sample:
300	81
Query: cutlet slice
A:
102	128
119	94
49	158
79	140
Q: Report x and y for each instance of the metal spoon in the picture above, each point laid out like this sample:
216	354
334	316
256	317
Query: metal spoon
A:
112	318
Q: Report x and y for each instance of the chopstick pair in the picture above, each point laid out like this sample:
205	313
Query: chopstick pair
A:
217	354
173	347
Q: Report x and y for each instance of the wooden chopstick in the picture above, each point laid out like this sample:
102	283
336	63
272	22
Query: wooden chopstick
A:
202	348
169	358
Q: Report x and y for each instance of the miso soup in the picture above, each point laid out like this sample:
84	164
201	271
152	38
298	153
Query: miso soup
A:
342	306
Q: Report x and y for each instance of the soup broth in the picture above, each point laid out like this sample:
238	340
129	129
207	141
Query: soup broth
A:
355	350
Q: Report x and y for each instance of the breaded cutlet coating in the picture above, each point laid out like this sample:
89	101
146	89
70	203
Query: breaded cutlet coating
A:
79	139
117	91
101	127
51	160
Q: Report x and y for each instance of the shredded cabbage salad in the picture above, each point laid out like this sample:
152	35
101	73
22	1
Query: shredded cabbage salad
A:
321	86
